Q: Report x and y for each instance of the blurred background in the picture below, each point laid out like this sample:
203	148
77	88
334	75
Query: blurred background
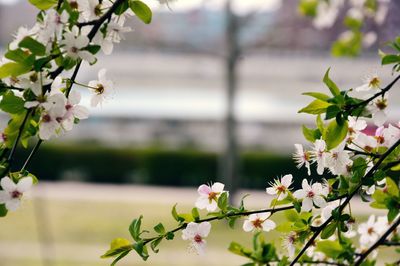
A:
207	92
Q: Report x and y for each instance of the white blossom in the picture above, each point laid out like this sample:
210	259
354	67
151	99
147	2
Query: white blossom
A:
196	233
52	116
371	82
259	221
378	110
311	194
280	188
73	111
319	154
289	243
34	81
115	33
102	88
368	231
74	45
208	198
302	157
337	160
12	193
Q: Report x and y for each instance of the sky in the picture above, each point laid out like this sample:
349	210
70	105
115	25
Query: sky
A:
240	6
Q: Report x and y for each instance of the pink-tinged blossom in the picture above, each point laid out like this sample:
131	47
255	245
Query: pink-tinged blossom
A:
209	195
102	88
52	116
364	142
12	193
73	111
259	221
289	243
319	155
196	233
280	188
310	195
337	160
302	157
356	125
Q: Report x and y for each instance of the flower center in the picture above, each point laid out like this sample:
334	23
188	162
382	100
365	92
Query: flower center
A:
59	119
97	10
281	188
74	50
374	82
3	136
16	194
99	89
74	4
68	107
33	78
380	139
381	104
46	118
197	239
212	195
310	194
370	230
257	223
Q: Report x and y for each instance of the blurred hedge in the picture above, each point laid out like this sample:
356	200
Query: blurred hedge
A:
155	166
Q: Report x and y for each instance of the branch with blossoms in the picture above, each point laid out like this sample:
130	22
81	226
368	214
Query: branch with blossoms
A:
317	227
36	91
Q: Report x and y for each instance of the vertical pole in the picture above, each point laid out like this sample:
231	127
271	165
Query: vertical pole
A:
230	159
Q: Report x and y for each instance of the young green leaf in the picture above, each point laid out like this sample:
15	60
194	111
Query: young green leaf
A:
13	69
315	107
330	84
12	104
159	228
34	46
43	4
141	10
335	134
134	228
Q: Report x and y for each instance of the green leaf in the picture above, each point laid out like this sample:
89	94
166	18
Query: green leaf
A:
320	124
20	56
238	249
332	249
392	187
12	104
43	4
159	228
330	84
328	231
317	95
285	227
141	10
134	228
141	249
195	214
332	112
13	69
390	59
120	257
335	134
34	46
118	246
175	214
315	107
154	244
292	215
3	210
121	8
311	134
223	201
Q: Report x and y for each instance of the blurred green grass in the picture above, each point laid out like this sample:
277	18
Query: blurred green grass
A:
77	232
